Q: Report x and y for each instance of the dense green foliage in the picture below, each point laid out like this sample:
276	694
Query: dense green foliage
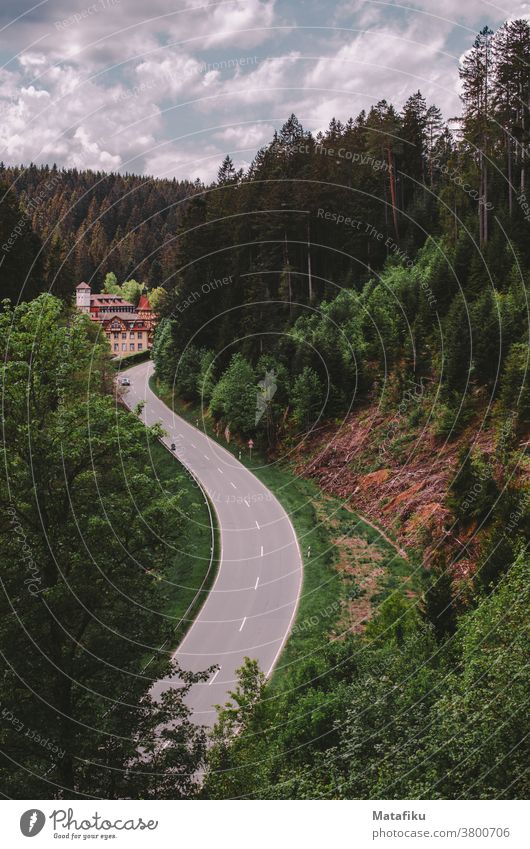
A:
83	225
379	245
392	715
88	541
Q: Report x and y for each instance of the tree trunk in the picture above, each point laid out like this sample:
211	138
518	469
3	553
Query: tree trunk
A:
288	267
485	204
309	278
393	191
510	187
480	198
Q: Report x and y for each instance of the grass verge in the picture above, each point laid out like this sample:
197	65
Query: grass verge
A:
348	566
192	567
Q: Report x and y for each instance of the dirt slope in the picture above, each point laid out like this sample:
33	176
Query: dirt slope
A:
396	473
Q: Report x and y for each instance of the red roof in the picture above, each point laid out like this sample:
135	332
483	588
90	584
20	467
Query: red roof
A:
113	301
83	286
143	303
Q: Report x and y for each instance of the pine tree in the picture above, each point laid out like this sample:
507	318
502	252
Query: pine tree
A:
227	173
476	74
20	251
438	603
414	135
511	49
59	269
433	132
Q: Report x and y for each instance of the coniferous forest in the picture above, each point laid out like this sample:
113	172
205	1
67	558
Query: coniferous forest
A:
378	275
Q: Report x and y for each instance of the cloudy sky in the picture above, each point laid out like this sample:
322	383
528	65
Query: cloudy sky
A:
168	88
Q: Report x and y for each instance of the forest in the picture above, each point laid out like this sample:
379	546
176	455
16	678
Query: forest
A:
389	253
344	269
68	226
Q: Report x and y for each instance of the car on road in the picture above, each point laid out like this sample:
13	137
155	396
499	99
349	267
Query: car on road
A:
124	381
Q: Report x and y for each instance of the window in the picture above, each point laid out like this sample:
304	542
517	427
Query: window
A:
140	335
124	336
116	335
116	346
140	346
131	346
124	346
131	335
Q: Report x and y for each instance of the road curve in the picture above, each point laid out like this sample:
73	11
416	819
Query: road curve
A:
251	606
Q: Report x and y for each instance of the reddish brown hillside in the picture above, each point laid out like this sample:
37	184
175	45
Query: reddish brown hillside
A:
397	475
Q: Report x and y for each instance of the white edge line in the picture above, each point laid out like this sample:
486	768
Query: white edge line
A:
298	597
178	649
220	561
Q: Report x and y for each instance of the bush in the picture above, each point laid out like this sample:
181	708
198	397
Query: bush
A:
121	363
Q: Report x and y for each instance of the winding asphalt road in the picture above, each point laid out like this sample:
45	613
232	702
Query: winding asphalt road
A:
251	607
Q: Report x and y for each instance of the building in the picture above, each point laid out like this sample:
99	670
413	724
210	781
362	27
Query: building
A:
129	329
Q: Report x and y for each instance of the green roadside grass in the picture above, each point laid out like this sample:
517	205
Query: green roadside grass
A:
319	520
192	568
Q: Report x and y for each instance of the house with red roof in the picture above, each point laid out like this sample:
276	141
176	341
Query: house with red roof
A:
128	328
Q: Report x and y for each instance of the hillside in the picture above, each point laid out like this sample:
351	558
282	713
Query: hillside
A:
85	224
393	467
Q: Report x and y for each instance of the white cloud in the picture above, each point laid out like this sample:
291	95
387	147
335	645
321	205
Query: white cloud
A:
244	23
169	74
377	64
459	13
72	121
33	62
245	137
186	162
161	90
466	12
262	85
85	153
107	32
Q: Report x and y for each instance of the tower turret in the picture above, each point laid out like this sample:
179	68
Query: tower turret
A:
82	297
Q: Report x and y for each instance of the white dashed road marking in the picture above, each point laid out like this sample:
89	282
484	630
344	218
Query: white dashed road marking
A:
214	677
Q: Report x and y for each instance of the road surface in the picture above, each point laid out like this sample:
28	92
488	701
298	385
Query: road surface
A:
251	606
